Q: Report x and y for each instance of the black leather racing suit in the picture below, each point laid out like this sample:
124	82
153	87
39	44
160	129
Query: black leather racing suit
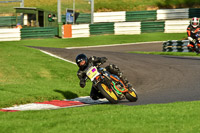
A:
95	94
191	32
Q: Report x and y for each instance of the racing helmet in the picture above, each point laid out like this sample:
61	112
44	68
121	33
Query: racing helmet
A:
79	59
195	22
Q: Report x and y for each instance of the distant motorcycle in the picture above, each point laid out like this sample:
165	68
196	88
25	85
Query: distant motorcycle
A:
110	85
197	48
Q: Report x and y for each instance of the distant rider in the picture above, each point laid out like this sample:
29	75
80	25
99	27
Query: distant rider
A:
192	29
83	61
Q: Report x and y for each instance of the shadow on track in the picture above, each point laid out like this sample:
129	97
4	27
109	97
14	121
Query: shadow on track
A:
67	94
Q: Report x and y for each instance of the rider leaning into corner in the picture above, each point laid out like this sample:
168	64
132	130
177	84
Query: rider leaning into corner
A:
192	29
83	61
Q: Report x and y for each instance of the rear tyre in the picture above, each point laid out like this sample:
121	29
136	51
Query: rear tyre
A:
131	95
109	95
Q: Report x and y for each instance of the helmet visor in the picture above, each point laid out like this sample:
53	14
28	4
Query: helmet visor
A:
195	23
82	63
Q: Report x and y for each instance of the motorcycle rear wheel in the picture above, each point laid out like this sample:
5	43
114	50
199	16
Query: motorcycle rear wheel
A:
131	95
109	95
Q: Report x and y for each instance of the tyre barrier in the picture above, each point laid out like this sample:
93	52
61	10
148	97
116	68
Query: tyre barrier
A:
176	46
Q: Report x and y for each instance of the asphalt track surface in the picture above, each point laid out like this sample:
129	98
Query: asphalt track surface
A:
156	78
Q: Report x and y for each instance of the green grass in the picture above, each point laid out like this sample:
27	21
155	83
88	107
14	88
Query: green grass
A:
102	5
27	75
100	40
178	4
159	118
167	53
125	5
84	6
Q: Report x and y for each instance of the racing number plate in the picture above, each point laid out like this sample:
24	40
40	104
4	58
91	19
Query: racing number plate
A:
92	73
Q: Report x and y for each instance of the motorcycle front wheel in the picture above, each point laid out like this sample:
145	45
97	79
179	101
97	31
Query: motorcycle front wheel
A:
107	93
131	95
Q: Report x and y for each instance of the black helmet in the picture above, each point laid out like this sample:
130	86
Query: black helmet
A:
80	58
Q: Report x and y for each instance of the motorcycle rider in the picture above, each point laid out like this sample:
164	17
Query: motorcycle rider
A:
83	61
192	29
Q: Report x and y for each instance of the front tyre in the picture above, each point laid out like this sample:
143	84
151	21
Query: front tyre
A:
107	93
131	95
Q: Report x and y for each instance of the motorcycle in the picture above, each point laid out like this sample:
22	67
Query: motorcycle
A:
197	48
110	85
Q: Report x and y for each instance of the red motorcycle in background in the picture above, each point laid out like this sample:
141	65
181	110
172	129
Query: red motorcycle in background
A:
197	43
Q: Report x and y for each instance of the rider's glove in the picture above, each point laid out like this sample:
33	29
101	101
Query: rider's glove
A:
82	83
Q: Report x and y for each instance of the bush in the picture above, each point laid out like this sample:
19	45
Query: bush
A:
178	4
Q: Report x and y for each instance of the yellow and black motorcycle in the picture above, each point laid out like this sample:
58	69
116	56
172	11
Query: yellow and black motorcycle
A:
110	85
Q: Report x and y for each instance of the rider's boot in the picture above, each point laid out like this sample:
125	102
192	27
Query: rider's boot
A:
126	82
191	49
124	79
197	51
115	70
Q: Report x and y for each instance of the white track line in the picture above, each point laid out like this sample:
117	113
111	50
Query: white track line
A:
113	45
38	106
57	56
94	47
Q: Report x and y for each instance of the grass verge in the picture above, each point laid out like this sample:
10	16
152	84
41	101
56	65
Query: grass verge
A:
99	40
27	75
84	5
102	5
171	118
